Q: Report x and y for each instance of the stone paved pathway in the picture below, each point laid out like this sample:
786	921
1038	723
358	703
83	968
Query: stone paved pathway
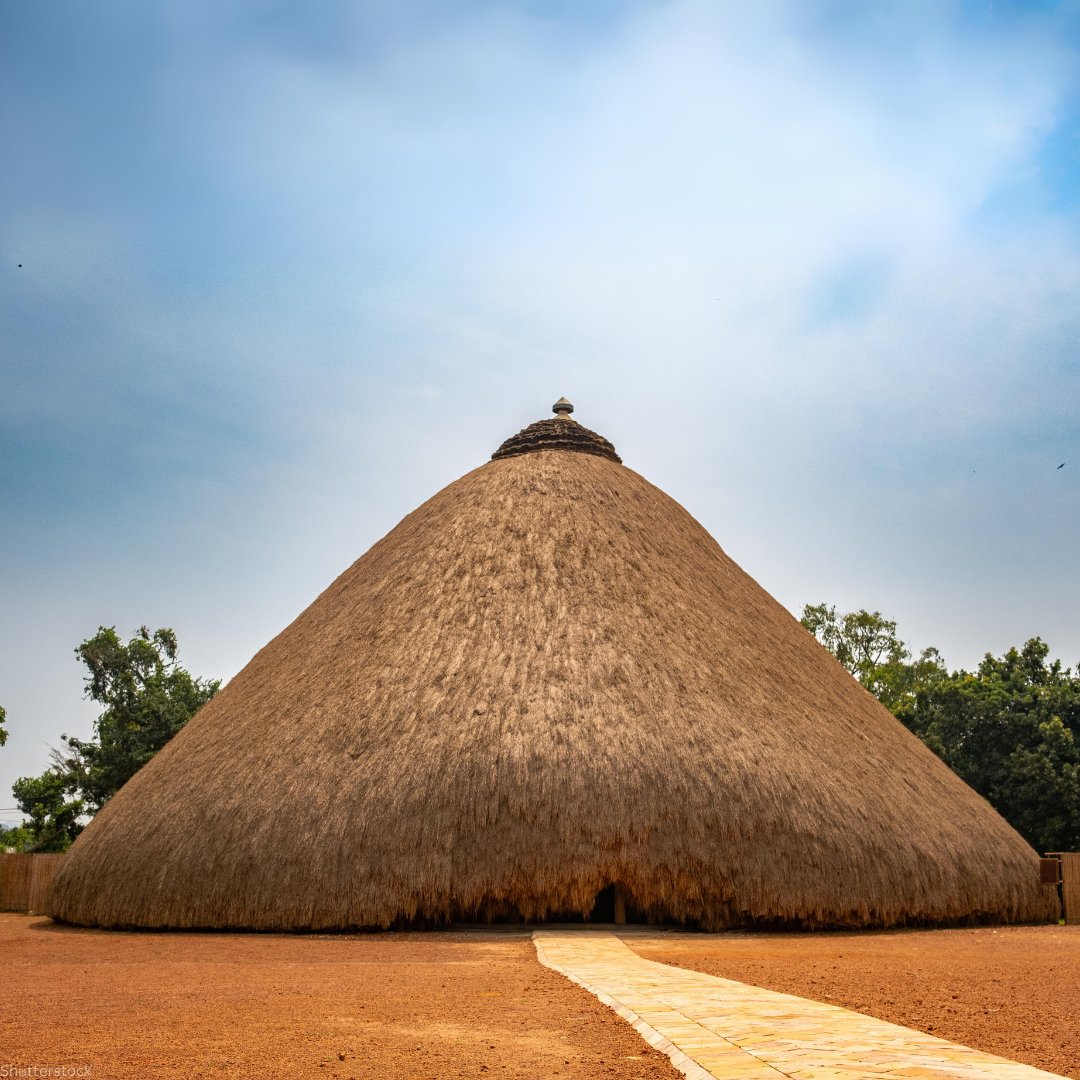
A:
712	1027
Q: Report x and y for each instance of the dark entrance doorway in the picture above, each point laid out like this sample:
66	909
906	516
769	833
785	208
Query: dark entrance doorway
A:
603	909
612	905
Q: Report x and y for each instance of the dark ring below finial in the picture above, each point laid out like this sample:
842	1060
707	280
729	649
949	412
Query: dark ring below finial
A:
558	433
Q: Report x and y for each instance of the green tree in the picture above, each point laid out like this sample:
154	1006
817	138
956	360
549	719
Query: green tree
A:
866	643
1011	729
52	816
146	698
11	838
3	730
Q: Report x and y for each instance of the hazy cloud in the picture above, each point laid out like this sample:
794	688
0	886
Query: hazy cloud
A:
814	269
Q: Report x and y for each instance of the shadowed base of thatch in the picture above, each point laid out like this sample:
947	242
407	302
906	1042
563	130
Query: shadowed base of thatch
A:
614	905
515	922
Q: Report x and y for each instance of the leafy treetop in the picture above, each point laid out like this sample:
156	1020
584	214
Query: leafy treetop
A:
866	643
1010	729
147	697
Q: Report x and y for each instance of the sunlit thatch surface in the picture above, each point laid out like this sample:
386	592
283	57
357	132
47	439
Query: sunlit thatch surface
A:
546	679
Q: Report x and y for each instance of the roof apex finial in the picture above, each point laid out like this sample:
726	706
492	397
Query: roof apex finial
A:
562	409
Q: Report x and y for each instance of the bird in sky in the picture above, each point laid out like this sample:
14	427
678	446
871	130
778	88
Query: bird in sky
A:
1062	465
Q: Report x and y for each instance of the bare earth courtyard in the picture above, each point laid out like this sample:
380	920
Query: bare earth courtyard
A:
479	1004
1011	990
393	1006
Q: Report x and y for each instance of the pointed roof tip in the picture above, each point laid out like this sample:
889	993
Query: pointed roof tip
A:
561	432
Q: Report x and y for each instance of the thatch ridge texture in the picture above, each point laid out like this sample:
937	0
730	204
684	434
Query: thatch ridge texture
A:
547	679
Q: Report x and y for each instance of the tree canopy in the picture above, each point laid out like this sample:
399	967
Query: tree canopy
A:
52	811
866	643
1010	729
147	697
3	730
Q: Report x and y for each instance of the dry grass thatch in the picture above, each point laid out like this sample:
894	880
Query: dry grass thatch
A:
546	679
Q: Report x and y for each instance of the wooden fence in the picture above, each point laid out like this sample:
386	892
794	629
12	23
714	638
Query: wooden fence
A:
1067	878
25	881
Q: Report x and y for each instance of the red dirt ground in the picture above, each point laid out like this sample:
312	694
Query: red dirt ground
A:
443	1005
1013	991
379	1007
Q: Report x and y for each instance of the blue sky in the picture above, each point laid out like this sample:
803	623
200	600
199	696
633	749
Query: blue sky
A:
287	270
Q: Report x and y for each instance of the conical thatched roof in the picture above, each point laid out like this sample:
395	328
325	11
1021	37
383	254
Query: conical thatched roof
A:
547	679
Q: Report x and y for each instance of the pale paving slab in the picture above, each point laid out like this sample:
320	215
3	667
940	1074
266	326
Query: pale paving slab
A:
713	1027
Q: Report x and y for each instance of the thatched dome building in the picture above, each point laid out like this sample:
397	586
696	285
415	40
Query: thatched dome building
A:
547	681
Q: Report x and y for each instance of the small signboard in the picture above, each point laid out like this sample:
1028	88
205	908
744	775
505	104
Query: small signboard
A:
1050	871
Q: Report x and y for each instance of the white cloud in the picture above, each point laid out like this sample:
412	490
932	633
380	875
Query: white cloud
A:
697	131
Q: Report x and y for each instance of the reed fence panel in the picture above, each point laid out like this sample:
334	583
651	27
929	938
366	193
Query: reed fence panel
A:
1070	887
25	881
